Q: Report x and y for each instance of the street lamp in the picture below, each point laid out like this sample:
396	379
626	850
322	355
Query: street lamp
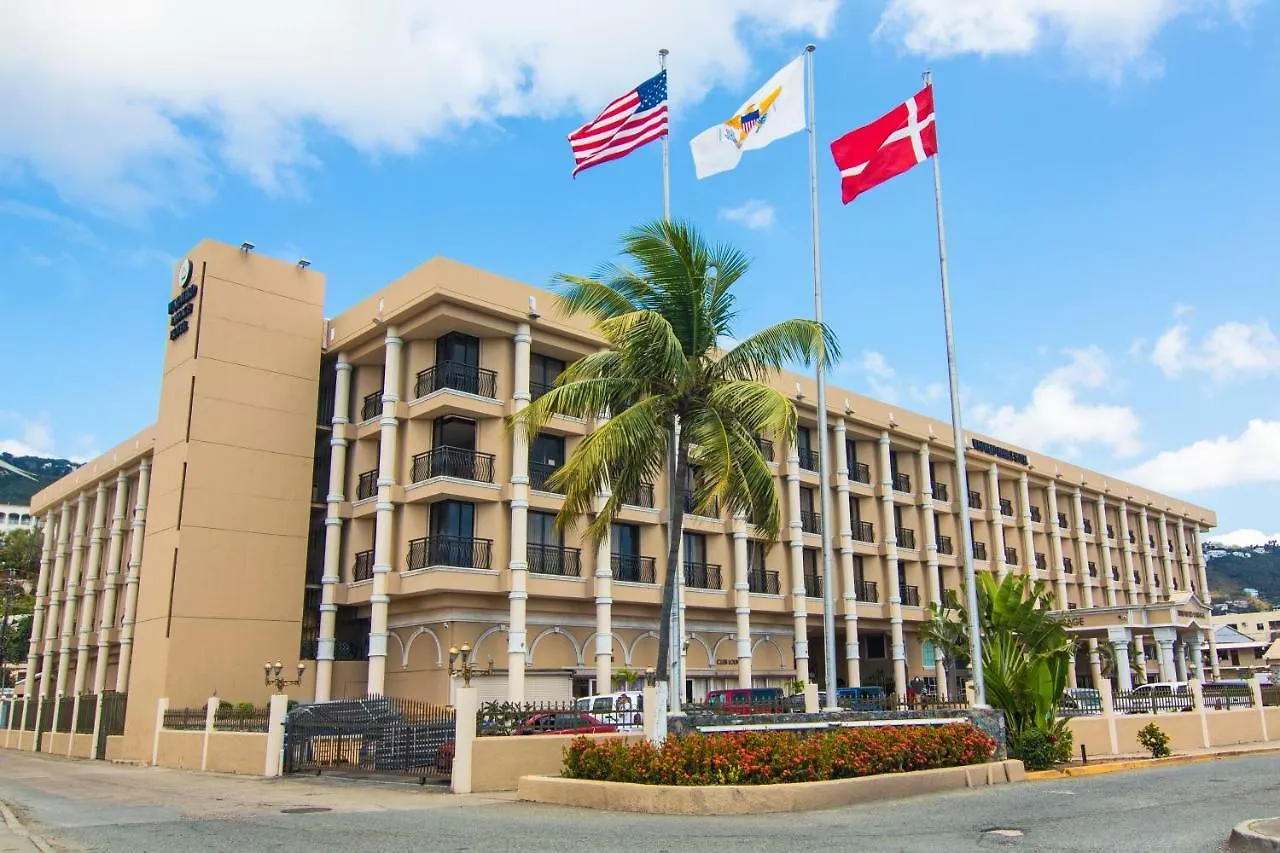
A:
274	674
462	664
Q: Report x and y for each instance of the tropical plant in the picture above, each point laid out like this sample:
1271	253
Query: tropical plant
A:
1153	739
1026	650
663	318
624	677
795	687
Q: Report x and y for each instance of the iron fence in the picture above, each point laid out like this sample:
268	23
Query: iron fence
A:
540	476
66	713
362	568
702	575
371	406
808	459
1221	697
461	551
458	376
867	591
377	734
1271	695
185	719
457	462
633	568
88	713
902	483
641	495
113	707
554	560
862	473
232	718
496	719
864	531
1152	701
764	581
367	485
810	521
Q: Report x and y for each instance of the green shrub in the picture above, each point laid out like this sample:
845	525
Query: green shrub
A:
771	757
1040	750
1154	740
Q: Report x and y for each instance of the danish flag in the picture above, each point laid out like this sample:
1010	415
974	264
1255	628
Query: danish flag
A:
888	146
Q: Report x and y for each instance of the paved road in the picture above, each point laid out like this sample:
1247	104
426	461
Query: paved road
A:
91	806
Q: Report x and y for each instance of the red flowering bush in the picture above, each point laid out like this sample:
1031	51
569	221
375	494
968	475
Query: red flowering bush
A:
772	757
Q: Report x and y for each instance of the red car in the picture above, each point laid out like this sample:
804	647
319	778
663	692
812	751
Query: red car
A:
549	723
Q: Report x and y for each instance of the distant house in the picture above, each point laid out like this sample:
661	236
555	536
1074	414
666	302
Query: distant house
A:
13	516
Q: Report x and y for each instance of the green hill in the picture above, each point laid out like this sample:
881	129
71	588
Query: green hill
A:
18	489
1232	569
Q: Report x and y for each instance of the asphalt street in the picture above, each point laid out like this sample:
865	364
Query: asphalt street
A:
1169	809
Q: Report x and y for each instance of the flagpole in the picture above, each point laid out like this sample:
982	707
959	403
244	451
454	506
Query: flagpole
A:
828	595
957	434
666	145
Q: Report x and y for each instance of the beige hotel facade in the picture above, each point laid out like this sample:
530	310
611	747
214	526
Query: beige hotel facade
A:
345	491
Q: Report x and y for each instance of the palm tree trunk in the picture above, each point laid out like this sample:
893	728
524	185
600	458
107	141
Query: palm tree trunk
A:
680	495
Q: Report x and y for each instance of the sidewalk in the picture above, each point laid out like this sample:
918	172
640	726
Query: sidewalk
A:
1142	760
15	838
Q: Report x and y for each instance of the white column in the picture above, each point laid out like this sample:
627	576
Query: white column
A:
1028	535
1119	639
1141	644
1165	638
111	583
1104	550
1167	559
997	522
1082	548
72	597
799	604
1126	556
1188	566
55	600
1197	655
1055	548
1180	659
742	600
137	534
41	602
604	594
336	494
932	573
89	600
385	520
518	563
1197	554
848	587
892	576
1148	563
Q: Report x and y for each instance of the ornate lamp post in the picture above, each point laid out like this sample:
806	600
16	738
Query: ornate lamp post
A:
462	665
274	674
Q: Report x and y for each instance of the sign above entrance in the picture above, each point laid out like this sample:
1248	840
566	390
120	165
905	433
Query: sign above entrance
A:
182	306
1000	452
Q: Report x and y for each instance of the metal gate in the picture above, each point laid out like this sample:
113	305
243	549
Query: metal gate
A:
377	734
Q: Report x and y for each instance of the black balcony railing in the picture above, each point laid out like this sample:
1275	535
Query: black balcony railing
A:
641	495
975	499
362	569
1088	526
979	550
367	485
810	522
457	462
702	575
1041	562
1111	532
866	591
712	510
910	595
1115	573
763	582
1062	520
467	378
1133	540
940	492
462	551
537	389
1011	556
632	568
812	585
1035	513
1006	507
861	473
902	483
906	537
1067	566
539	474
809	459
554	560
371	407
1093	569
766	448
945	546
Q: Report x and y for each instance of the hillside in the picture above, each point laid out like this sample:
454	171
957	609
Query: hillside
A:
1232	569
17	489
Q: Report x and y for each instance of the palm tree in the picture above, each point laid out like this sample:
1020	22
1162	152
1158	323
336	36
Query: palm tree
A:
662	318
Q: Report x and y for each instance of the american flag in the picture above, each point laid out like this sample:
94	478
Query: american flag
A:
637	118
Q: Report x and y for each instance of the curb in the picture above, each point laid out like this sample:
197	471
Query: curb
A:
1140	764
1245	839
15	826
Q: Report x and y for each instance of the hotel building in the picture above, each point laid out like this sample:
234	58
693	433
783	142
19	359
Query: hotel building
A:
346	491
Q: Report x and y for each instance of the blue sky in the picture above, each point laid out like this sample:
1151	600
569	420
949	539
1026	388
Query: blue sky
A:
1109	169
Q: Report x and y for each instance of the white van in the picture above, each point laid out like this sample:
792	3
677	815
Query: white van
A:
624	710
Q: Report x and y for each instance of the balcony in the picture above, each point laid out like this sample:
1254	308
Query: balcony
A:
813	585
861	473
910	595
1111	532
866	591
975	499
702	575
362	569
554	560
367	485
810	522
945	546
1062	520
1041	563
371	407
642	495
763	582
939	492
808	459
1133	540
712	510
980	551
1115	574
539	475
1151	542
1088	526
1011	556
902	483
864	531
460	551
632	568
906	537
1006	507
1067	566
453	462
467	378
1035	513
1093	569
766	448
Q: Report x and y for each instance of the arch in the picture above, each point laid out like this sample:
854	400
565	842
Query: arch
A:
715	650
488	632
423	629
711	661
587	645
761	663
556	631
404	653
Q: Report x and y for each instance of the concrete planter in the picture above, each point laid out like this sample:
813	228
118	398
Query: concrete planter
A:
760	799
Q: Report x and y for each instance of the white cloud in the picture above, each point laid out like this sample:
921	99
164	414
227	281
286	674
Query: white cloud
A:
881	378
1230	351
1251	457
1182	309
25	436
75	231
1107	34
752	213
129	108
1056	416
1243	538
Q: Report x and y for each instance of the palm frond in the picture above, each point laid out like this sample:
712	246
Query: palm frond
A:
770	350
579	295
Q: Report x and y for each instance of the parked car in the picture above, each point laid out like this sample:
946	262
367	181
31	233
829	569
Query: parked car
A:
1158	696
624	710
545	723
861	698
1077	701
1229	693
753	700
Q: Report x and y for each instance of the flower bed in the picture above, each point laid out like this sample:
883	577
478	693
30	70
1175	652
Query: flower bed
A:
774	757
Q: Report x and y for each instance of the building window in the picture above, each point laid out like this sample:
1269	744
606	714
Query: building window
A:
695	548
542	530
453	518
873	646
546	454
755	555
458	348
928	655
543	372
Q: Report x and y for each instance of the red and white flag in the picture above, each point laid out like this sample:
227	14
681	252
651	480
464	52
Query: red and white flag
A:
637	118
888	146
